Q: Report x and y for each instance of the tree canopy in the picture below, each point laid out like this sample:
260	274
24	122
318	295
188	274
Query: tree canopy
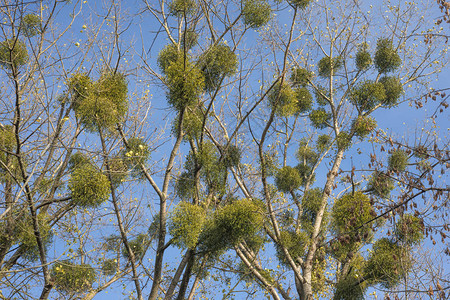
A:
190	149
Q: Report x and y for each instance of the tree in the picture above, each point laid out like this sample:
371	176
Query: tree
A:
236	146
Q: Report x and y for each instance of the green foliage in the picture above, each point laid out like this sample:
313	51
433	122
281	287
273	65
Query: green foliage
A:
217	62
192	126
136	155
7	144
118	170
185	186
73	278
343	140
393	90
306	154
288	179
271	163
328	65
167	56
78	160
295	243
24	234
398	161
386	57
230	225
350	212
189	39
109	267
186	224
367	94
323	141
409	230
138	246
105	104
349	288
301	77
79	85
231	156
311	203
185	82
387	264
304	99
305	171
319	118
31	25
322	95
13	54
363	125
301	4
88	186
256	13
283	100
380	185
180	7
363	59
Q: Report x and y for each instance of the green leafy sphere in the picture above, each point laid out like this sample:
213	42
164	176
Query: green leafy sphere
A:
231	156
368	94
349	288
393	90
109	267
283	100
185	82
386	57
231	224
137	153
189	39
13	54
304	99
31	25
88	186
380	185
301	77
78	160
350	212
192	126
73	278
184	186
306	154
217	62
294	243
306	174
327	65
343	140
256	13
167	56
322	95
301	4
79	85
387	264
106	103
398	161
138	245
363	125
7	139
180	7
319	118
118	170
288	179
311	203
186	224
25	234
409	229
363	59
323	142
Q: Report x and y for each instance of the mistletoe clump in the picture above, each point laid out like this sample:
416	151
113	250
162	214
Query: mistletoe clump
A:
189	39
7	144
328	65
349	288
185	81
304	99
301	77
288	179
343	140
118	169
168	55
79	85
322	95
306	154
109	267
295	243
387	264
301	4
180	7
363	125
368	94
89	187
137	153
306	174
231	224
319	118
105	104
363	59
217	62
138	246
409	229
323	142
256	13
73	278
31	25
283	100
393	90
231	156
13	54
380	184
398	161
25	234
192	125
386	57
186	224
311	203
